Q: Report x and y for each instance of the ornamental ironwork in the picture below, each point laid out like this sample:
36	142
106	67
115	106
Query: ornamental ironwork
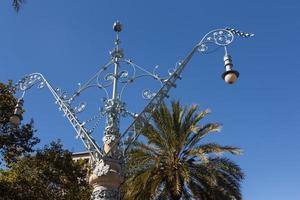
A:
113	78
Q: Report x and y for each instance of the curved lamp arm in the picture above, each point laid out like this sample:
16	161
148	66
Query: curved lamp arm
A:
217	38
64	105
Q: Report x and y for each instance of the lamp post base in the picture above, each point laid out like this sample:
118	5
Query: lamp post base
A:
104	193
106	180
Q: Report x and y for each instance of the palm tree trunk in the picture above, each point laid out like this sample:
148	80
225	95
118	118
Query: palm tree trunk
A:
175	197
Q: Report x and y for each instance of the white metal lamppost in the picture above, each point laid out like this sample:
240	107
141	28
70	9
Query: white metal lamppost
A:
107	162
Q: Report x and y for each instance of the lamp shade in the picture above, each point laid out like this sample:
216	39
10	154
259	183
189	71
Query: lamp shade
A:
230	76
17	116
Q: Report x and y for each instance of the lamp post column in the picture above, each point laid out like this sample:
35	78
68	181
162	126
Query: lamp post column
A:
106	163
107	178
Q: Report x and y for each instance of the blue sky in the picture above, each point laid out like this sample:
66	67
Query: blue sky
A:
68	41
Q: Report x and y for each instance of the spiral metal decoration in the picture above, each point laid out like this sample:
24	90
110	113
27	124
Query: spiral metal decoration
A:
122	72
30	80
147	94
215	39
103	79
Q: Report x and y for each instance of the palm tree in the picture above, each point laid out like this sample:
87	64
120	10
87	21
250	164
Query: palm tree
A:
169	162
17	4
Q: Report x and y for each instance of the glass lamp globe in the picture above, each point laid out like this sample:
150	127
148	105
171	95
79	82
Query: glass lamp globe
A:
15	120
230	76
17	115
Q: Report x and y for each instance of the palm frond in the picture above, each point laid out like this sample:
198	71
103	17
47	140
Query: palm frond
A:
201	132
153	136
170	163
17	4
227	166
213	148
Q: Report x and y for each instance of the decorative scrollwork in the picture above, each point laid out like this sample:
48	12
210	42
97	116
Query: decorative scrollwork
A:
154	71
80	108
214	39
28	81
147	94
105	76
62	94
101	168
97	81
103	193
105	82
137	73
41	84
123	74
109	77
108	139
97	119
172	70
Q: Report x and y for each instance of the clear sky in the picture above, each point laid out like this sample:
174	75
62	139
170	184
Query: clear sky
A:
68	40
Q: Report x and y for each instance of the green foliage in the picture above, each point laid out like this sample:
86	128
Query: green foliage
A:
14	142
51	174
7	101
170	163
48	174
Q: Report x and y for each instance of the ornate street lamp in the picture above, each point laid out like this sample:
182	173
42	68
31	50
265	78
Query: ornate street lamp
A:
17	117
230	76
112	79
